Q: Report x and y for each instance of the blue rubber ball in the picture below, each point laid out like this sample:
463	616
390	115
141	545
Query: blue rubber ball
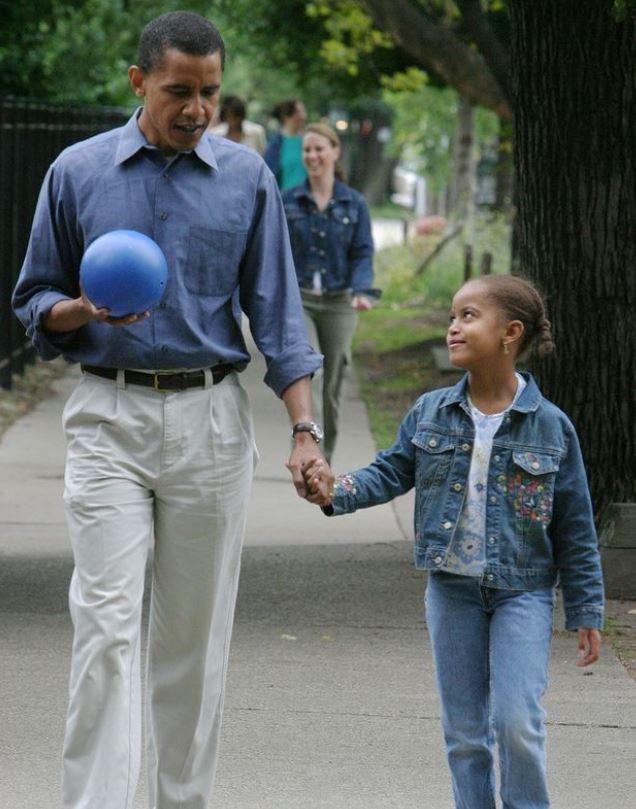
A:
124	271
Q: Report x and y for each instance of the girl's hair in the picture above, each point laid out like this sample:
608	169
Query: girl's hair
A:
325	131
285	109
519	299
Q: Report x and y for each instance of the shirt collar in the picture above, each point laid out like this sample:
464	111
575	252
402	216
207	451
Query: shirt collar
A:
132	139
528	401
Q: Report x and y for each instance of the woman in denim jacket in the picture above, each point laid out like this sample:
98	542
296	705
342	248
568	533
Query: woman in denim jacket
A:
502	510
330	232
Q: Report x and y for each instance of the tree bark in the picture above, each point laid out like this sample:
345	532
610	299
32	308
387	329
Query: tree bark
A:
462	195
575	100
436	47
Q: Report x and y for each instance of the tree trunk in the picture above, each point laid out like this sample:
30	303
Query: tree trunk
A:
462	189
575	101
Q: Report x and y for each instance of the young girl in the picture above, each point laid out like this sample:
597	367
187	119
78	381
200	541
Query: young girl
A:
502	510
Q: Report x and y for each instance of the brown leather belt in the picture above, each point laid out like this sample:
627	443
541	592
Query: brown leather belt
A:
163	380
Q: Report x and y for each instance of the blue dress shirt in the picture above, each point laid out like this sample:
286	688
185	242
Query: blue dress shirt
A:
217	215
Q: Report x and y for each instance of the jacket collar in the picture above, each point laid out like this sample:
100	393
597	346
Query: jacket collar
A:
132	139
341	191
528	401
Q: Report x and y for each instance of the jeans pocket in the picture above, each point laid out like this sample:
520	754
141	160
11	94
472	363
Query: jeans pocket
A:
213	262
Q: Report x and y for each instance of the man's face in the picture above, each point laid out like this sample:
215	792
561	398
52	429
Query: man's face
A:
180	96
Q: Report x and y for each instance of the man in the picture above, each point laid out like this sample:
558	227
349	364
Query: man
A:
235	126
170	453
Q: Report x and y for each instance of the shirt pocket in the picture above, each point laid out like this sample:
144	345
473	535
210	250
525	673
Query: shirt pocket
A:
531	486
214	257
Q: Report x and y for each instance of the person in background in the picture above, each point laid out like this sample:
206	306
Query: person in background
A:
235	126
330	231
284	150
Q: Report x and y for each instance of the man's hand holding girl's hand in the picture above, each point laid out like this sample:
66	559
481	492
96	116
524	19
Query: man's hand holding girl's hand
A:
320	482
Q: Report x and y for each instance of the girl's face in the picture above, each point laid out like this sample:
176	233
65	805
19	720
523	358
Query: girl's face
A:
478	330
319	155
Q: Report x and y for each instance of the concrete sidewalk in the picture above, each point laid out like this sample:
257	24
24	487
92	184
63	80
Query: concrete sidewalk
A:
331	701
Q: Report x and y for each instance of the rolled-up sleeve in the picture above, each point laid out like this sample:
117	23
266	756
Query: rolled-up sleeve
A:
50	269
269	292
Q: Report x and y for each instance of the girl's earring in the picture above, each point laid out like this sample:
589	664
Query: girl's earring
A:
505	348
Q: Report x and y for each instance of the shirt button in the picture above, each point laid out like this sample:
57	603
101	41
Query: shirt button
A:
321	252
465	447
491	540
457	487
162	305
438	560
322	233
432	442
346	220
448	524
163	216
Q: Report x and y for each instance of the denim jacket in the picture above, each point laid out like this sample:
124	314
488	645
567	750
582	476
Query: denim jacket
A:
337	242
539	520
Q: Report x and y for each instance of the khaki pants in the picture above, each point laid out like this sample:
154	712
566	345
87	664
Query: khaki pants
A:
331	324
178	465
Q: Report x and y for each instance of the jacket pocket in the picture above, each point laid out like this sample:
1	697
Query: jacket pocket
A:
434	456
531	485
213	263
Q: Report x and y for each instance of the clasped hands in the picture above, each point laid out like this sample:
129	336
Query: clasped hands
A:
311	475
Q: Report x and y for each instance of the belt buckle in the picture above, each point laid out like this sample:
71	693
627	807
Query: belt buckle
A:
157	384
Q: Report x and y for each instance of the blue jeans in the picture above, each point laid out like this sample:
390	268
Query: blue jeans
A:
491	649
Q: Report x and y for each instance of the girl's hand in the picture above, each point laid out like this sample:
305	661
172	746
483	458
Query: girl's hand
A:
360	303
589	646
320	481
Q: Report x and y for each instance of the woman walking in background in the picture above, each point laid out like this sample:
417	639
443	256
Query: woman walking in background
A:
284	150
235	126
330	231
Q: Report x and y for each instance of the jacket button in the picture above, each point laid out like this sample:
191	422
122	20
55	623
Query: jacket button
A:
438	560
346	220
493	499
457	487
497	458
490	577
432	442
448	524
491	540
465	447
535	465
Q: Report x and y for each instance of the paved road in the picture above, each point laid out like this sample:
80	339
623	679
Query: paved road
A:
331	701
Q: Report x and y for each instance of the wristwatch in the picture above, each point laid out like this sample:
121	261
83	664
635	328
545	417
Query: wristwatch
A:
315	430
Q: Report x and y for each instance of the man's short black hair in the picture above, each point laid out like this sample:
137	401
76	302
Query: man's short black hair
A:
183	30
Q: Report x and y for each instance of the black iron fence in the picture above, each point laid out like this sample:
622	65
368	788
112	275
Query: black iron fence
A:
32	134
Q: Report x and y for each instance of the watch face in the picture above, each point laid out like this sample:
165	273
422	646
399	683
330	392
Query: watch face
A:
317	432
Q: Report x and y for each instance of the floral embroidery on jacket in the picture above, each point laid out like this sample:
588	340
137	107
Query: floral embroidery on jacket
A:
345	484
531	497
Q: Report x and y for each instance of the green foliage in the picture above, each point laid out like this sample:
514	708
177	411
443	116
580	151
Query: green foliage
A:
623	8
396	267
423	124
350	33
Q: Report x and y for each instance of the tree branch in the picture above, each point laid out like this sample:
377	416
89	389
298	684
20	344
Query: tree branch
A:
490	47
436	47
